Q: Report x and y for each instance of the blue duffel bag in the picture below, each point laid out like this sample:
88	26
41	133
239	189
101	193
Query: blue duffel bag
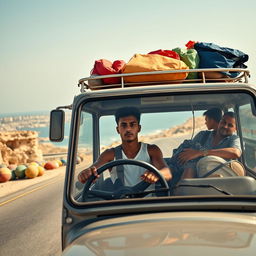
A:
214	56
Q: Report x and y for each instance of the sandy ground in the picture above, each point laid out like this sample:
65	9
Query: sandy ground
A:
168	144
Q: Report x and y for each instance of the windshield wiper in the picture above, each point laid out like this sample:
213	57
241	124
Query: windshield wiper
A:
205	186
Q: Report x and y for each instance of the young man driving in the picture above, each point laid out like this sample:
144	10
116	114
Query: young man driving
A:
128	127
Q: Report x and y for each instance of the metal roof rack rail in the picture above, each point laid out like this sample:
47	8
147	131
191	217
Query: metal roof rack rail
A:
95	82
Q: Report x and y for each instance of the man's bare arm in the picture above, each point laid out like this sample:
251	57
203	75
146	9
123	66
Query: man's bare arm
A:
157	160
105	157
227	153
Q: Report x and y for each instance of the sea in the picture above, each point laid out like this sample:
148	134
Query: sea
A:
43	132
107	134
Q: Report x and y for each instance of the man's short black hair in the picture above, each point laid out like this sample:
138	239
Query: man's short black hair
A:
214	113
127	111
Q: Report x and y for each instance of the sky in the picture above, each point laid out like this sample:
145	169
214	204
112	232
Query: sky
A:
46	46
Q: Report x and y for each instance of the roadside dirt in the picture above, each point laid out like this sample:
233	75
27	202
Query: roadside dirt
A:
13	186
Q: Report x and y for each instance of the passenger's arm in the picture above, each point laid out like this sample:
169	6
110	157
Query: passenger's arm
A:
232	151
227	153
188	154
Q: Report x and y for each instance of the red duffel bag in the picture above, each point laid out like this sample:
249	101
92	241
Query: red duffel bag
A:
167	53
106	67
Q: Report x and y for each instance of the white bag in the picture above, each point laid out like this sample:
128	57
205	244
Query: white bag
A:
214	166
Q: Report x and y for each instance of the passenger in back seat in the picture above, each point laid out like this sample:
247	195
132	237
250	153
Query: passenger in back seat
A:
212	118
221	143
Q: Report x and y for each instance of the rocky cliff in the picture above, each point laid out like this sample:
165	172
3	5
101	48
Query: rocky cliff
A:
19	147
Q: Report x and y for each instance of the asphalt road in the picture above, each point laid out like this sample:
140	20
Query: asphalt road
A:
31	224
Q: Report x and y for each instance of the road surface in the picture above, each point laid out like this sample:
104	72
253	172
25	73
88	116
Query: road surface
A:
30	223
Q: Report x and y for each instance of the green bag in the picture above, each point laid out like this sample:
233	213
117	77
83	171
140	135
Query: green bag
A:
191	59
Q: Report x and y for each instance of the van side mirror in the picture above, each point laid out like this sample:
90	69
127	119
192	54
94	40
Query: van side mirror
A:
57	120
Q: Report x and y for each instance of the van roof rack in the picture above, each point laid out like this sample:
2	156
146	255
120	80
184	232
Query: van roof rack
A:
94	82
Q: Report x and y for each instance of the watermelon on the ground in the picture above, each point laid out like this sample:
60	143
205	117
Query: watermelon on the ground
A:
40	171
13	175
55	163
49	165
59	162
20	171
64	162
31	171
5	174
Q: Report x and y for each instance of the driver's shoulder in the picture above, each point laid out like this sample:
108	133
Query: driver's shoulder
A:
108	154
152	148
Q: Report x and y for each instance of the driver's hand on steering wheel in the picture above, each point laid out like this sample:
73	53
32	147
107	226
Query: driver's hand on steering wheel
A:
149	177
84	175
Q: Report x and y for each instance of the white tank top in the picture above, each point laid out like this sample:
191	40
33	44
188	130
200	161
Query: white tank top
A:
132	173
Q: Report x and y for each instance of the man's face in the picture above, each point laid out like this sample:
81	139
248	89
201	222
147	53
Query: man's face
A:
128	128
227	126
209	123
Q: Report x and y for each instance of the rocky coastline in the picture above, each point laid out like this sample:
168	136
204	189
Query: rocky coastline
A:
14	123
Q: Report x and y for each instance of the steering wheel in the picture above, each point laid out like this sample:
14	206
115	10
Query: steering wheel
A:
124	191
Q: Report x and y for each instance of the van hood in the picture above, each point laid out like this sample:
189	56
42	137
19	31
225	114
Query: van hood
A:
175	233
